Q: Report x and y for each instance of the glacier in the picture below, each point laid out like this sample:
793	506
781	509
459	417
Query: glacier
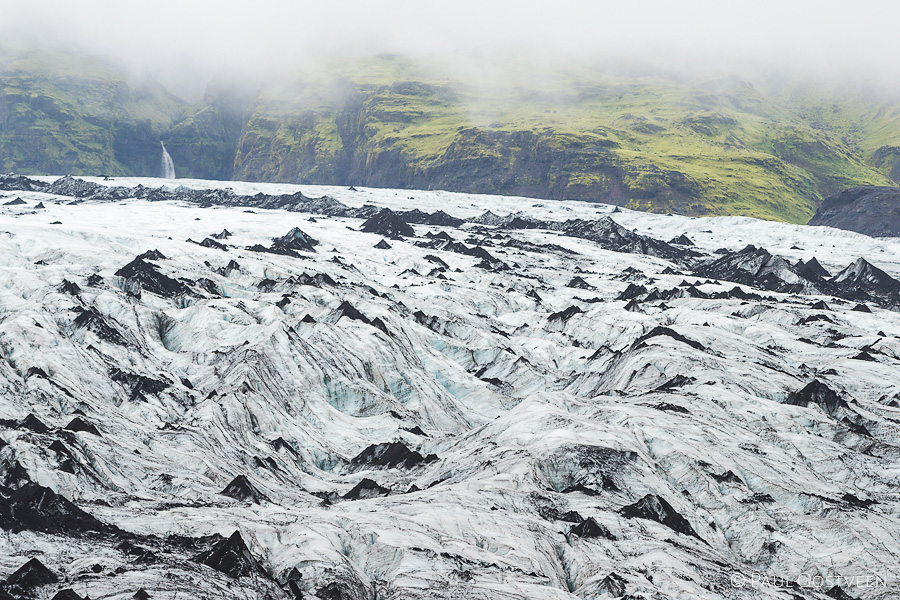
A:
250	390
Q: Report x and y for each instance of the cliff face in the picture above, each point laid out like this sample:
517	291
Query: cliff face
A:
418	136
62	114
203	144
652	144
701	148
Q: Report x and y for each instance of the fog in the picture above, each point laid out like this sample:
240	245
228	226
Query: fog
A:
184	43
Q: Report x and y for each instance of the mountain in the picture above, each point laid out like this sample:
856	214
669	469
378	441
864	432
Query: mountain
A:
870	210
62	113
648	141
555	406
69	113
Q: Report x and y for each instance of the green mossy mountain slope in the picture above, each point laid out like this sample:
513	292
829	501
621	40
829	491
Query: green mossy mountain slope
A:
707	147
652	143
71	114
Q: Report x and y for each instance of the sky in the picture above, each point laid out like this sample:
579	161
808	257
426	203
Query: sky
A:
194	39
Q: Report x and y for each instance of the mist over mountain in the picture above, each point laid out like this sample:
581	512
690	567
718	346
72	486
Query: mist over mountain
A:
642	138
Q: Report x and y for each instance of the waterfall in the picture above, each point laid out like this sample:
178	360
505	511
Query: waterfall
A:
167	167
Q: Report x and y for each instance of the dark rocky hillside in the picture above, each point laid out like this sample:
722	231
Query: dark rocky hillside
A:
870	210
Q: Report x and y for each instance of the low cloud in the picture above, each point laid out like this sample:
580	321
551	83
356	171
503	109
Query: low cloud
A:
188	41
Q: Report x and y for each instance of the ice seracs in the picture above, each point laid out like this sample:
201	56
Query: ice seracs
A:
544	402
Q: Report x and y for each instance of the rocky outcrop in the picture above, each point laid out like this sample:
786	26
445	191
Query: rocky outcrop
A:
36	508
146	276
367	488
389	224
871	210
231	556
820	394
590	528
30	575
240	488
759	268
656	508
391	455
295	239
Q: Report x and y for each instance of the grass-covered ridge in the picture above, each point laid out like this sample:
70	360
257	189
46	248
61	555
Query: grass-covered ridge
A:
698	147
650	142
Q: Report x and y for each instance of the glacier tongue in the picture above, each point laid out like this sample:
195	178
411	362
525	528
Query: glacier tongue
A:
550	404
